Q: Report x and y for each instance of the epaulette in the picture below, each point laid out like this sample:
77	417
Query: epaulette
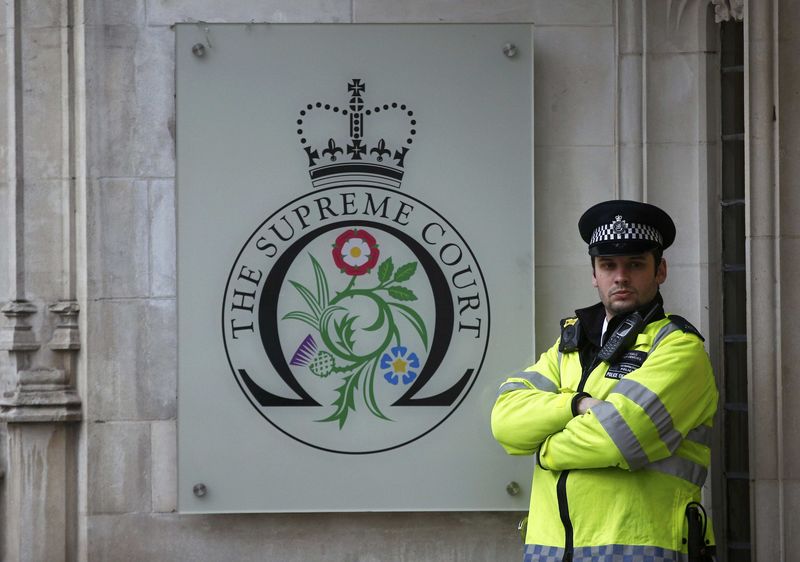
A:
685	325
570	335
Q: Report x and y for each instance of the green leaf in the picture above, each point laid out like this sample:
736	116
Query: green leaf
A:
323	293
303	317
344	330
346	400
414	319
385	270
348	332
405	272
308	297
328	312
402	293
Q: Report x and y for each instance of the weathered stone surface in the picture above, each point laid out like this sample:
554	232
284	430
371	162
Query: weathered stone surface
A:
38	487
673	177
761	404
768	495
560	289
162	238
130	101
680	294
568	181
41	14
114	12
167	12
119	468
541	12
118	259
679	27
43	237
133	363
164	447
43	117
630	99
791	499
574	103
788	117
6	140
631	168
789	382
399	537
675	84
629	26
6	248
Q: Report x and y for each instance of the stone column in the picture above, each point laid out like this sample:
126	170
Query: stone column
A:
630	99
763	288
39	336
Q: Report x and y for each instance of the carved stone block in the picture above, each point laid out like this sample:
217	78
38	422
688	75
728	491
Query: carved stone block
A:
18	335
41	395
66	336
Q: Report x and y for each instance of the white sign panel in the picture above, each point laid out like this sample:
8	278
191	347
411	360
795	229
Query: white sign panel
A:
355	261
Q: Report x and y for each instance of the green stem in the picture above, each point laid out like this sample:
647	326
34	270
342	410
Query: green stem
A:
369	391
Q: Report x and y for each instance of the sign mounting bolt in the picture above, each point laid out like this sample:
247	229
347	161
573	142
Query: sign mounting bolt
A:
513	489
510	50
198	49
200	490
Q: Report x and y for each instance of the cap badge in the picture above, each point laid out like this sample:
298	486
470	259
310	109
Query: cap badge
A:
619	225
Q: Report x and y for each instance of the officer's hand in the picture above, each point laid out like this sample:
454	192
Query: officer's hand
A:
586	403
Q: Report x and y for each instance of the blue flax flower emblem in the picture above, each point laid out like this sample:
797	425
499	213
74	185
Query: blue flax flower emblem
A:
399	363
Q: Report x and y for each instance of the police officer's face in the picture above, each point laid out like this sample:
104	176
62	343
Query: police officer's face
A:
626	283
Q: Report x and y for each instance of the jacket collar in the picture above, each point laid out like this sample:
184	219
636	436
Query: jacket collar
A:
591	318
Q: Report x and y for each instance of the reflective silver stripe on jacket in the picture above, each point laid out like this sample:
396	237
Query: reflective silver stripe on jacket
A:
603	553
662	333
509	386
649	401
700	434
538	380
621	434
682	468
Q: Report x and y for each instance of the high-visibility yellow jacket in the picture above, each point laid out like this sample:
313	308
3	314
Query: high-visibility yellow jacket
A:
615	481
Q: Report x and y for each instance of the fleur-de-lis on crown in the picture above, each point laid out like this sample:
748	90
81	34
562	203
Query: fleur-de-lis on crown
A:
380	150
332	150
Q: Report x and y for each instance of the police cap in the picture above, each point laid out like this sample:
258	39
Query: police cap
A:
620	227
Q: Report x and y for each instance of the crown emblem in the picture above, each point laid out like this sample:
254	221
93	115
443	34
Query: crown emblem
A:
370	157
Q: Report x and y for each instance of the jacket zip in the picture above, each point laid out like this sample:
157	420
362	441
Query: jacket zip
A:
563	511
561	486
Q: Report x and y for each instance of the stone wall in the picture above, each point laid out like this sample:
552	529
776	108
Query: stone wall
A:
623	108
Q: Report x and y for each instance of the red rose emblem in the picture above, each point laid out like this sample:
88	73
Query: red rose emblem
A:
355	252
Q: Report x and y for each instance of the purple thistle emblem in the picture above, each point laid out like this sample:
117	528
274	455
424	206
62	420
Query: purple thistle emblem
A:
304	353
320	363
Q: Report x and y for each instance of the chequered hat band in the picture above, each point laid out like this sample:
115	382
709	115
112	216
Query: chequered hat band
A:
622	230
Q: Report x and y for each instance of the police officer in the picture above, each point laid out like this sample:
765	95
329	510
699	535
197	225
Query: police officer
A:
618	412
